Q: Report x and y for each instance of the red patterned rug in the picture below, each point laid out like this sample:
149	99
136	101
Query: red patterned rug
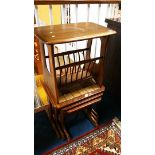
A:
103	140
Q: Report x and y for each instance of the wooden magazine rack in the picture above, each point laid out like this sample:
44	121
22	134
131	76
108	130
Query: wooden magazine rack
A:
74	79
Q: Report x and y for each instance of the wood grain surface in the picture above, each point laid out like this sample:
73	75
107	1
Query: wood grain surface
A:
55	34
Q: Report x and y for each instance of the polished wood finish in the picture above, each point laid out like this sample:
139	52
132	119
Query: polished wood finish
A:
47	2
78	96
69	107
52	82
49	77
55	34
74	81
100	67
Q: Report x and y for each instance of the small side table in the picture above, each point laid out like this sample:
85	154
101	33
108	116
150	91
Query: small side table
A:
76	84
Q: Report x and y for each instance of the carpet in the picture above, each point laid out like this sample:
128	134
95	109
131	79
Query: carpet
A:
103	140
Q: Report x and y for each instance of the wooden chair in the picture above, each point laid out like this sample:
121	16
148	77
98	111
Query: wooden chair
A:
74	80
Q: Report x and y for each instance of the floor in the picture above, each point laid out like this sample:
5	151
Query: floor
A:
77	124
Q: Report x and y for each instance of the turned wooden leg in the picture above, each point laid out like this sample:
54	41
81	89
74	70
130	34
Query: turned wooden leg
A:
63	125
51	119
56	116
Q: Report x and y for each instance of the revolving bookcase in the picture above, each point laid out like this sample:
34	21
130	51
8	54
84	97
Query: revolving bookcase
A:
73	79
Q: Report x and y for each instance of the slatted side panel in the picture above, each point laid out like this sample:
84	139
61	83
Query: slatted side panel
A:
69	69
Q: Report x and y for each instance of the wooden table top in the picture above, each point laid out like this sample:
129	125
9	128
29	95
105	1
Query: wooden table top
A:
55	34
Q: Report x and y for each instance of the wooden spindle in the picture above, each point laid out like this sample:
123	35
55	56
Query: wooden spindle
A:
108	11
50	12
98	21
48	64
64	60
83	54
88	15
66	73
72	74
79	55
74	56
76	17
62	13
63	19
111	10
82	71
99	12
74	61
95	48
60	75
76	12
58	60
88	12
77	73
88	51
69	58
88	69
69	13
69	62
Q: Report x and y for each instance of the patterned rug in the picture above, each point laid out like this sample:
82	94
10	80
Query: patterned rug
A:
103	140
